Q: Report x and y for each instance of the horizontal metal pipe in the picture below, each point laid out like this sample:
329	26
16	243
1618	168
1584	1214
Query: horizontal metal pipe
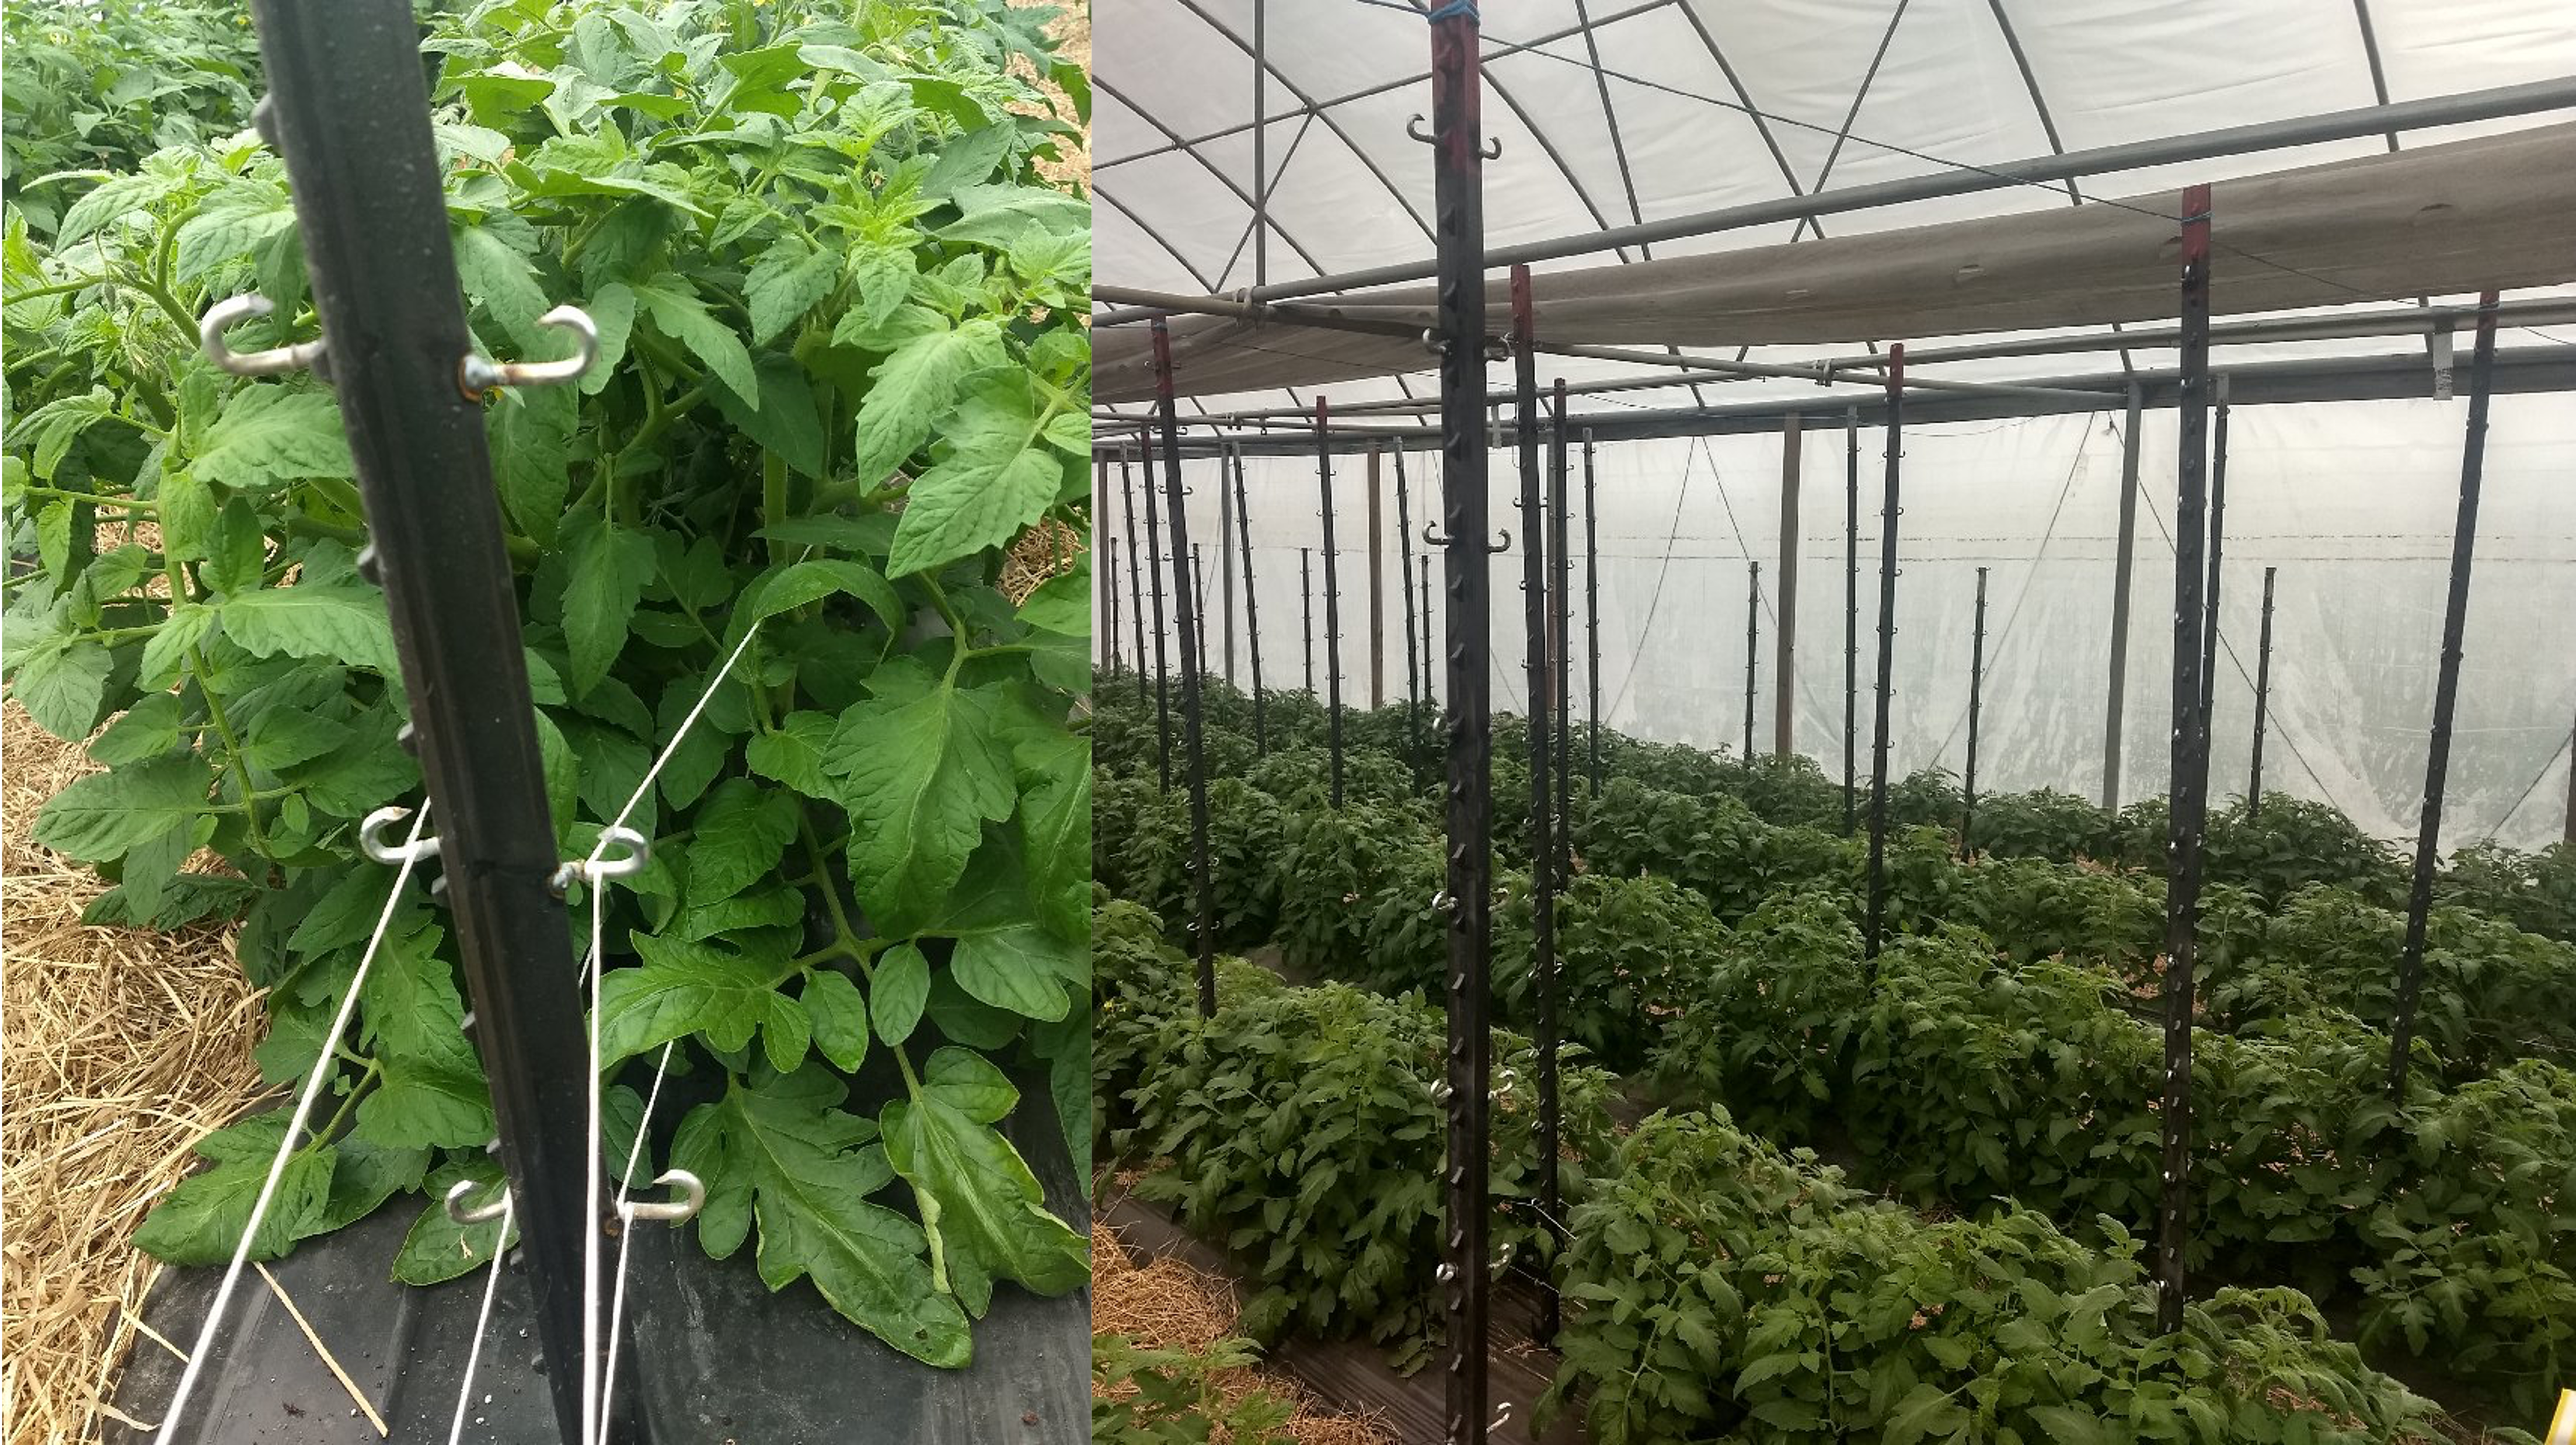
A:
1852	377
2371	120
2358	378
1151	304
2338	326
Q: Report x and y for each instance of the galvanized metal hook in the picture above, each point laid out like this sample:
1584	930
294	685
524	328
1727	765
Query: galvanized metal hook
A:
1421	132
479	374
693	1197
1502	1417
600	866
490	1209
372	841
231	312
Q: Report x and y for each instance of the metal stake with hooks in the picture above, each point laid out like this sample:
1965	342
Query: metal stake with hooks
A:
1886	655
1135	572
1162	671
1332	599
1193	743
348	110
1976	695
1251	610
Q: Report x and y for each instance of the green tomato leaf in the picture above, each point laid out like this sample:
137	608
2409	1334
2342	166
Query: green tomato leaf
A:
920	779
101	816
439	1249
980	1205
676	309
795	753
268	436
785	283
996	478
898	990
783	1148
607	572
62	687
202	1220
741	834
696	988
336	621
840	1015
916	389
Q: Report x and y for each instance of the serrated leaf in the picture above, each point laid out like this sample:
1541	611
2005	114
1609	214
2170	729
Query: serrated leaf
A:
607	569
920	779
229	224
202	1221
794	754
285	736
99	817
268	436
676	309
742	832
784	420
341	623
1055	841
63	687
532	433
236	551
1062	603
798	583
690	988
146	730
840	1016
882	276
783	1148
980	1205
916	389
785	283
898	990
999	215
995	479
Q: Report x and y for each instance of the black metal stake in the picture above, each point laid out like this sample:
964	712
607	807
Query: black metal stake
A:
2217	536
1561	597
1752	646
1412	648
2446	693
1459	226
1199	592
1592	607
1203	933
1976	696
2187	793
2262	700
1109	586
1251	611
1542	815
1162	671
1886	654
1424	574
1332	599
1135	571
1851	609
351	118
1306	590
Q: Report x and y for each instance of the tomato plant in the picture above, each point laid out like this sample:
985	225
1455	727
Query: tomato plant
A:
840	378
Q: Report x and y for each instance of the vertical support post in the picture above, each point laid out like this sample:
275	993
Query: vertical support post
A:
1592	605
1459	228
1203	932
2186	794
1260	143
1225	505
1886	655
1542	815
1976	697
2217	537
2262	700
1851	609
2446	694
1104	574
1377	576
1560	596
1162	672
1251	609
1784	647
352	121
1135	577
1199	598
1332	601
1306	592
1423	575
1752	646
2123	563
1412	647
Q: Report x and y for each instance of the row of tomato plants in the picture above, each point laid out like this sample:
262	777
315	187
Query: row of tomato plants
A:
2271	854
1718	1287
2437	1222
2492	993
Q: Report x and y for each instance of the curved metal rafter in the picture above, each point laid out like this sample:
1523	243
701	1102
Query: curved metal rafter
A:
2370	53
1213	169
2048	126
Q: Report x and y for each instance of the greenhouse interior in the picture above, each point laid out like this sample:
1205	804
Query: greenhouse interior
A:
1915	667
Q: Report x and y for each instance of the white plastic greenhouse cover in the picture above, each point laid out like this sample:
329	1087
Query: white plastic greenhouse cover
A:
2353	502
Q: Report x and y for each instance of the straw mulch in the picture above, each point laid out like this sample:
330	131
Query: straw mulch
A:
121	1049
1168	1305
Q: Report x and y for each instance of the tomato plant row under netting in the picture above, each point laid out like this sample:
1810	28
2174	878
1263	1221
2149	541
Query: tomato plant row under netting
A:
2010	1063
762	548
